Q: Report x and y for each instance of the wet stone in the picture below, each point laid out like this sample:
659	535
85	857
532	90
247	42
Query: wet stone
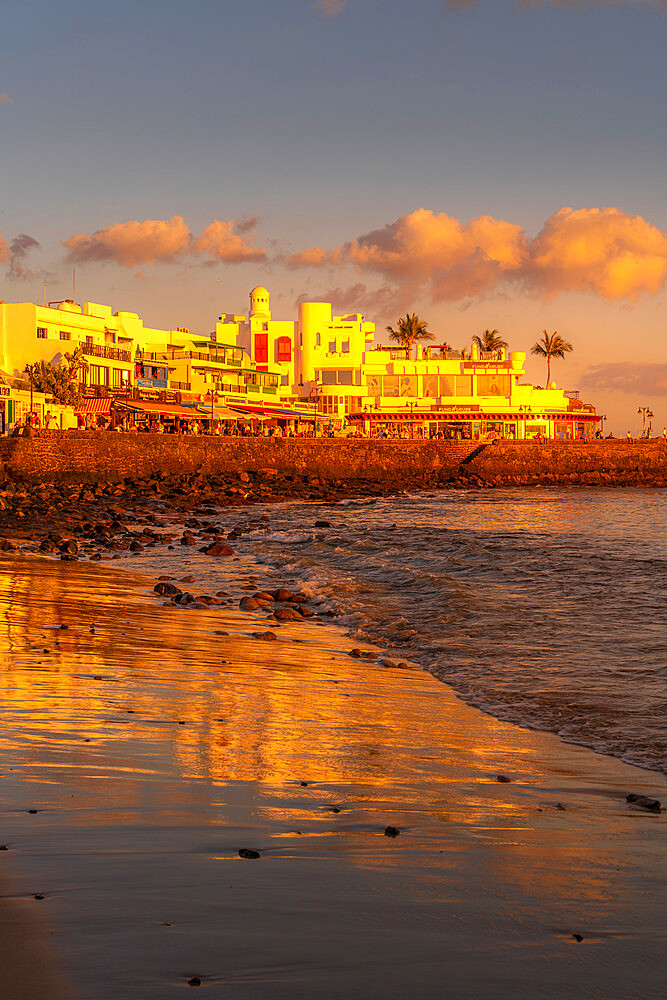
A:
391	831
247	852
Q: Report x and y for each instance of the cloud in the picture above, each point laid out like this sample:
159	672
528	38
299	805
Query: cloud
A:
383	301
131	243
330	8
247	224
19	249
229	242
164	241
600	250
4	249
604	251
5	99
313	257
641	380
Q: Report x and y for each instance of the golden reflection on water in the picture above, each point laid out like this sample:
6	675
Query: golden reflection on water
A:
152	713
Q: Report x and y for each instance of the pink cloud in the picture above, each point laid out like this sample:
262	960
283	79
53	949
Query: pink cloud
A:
601	250
330	8
5	99
131	243
604	251
313	257
229	241
163	241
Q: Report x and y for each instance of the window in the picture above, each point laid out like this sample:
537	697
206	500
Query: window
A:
89	341
64	335
430	385
41	333
345	347
261	348
318	339
117	377
332	347
493	385
344	377
284	349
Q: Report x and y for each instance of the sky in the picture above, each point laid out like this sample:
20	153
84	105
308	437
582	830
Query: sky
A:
490	164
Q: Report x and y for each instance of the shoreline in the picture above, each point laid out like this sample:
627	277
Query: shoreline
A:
167	526
259	719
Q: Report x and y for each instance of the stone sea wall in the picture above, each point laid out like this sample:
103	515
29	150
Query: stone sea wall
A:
93	456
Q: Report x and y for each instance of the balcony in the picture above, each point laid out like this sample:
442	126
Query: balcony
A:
110	353
180	386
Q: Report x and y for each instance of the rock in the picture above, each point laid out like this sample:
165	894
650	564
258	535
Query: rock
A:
503	778
387	663
248	604
38	895
194	980
136	546
578	937
267	636
355	652
187	579
323	524
247	852
188	540
368	654
218	549
262	595
282	595
331	809
653	805
284	614
391	831
6	545
167	589
222	593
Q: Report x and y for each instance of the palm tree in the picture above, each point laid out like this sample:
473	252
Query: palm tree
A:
490	340
551	346
410	328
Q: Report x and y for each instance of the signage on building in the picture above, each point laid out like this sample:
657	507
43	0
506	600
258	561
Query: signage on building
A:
5	390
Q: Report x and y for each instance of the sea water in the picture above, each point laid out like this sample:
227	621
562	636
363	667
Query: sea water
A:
545	607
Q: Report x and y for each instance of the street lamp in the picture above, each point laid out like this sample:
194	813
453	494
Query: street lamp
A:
647	415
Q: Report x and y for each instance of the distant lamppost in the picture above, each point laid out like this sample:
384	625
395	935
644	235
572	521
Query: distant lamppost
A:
30	371
603	417
647	415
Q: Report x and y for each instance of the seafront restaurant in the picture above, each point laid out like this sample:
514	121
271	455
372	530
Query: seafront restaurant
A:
451	394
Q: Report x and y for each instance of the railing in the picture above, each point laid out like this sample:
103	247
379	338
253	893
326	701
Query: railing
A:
111	353
573	393
214	357
180	386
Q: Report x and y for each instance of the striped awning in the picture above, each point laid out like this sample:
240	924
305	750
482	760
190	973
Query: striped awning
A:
95	406
396	416
279	412
149	408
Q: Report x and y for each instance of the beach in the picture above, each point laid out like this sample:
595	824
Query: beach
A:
154	747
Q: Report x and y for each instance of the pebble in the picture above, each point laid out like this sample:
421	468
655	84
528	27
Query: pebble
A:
653	805
503	778
391	831
247	852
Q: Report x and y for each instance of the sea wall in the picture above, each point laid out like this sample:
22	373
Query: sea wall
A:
92	456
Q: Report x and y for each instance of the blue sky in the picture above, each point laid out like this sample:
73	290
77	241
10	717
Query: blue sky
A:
327	128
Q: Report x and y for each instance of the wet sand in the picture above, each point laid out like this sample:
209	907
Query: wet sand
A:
153	749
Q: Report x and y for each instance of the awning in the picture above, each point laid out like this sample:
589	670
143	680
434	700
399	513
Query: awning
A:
219	412
154	409
278	412
474	415
96	406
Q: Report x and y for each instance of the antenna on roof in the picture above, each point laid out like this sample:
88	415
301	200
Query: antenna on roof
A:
73	285
44	291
